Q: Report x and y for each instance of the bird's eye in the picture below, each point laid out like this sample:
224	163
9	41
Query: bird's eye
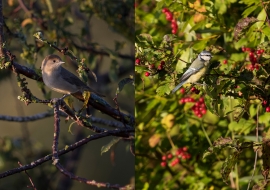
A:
54	61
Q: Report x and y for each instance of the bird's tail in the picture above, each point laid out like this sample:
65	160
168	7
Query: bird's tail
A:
178	86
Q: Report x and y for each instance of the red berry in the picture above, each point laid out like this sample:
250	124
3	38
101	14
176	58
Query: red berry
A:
261	51
174	31
250	67
182	90
179	151
264	103
201	99
247	49
225	61
196	112
169	16
182	101
160	67
164	157
175	161
267	109
203	106
257	66
193	89
186	100
185	148
164	10
162	62
146	74
163	164
174	25
169	156
203	111
191	100
243	49
197	104
199	115
138	61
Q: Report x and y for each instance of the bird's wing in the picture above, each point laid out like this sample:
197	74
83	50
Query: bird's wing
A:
189	72
71	78
74	80
178	86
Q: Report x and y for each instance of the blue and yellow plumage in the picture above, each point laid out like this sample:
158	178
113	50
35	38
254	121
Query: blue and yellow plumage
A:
196	71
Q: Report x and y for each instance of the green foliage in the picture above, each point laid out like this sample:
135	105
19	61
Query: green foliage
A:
235	91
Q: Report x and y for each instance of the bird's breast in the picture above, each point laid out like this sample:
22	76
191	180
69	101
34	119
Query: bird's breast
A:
197	76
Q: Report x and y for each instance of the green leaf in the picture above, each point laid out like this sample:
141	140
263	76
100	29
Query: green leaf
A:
107	147
122	83
266	31
265	118
252	110
150	18
162	90
145	38
113	72
249	10
242	126
228	165
200	45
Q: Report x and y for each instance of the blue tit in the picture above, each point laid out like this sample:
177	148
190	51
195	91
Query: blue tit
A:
197	69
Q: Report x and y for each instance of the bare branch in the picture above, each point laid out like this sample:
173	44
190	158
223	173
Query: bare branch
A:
1	30
44	115
116	132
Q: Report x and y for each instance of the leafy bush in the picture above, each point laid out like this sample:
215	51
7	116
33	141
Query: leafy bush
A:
205	136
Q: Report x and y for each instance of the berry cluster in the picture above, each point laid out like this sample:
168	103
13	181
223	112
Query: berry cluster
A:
266	105
253	57
195	90
151	67
199	108
180	153
169	17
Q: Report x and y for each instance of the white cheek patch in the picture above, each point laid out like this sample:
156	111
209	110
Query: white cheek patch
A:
205	57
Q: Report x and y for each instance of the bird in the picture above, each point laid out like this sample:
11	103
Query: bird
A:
61	80
197	69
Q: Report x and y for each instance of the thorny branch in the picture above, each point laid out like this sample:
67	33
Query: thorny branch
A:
56	159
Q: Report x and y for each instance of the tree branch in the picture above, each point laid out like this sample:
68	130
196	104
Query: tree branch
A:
1	31
116	132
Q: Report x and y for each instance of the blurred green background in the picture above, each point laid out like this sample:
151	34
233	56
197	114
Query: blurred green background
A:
210	136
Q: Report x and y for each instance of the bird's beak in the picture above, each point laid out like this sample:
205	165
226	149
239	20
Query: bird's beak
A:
61	62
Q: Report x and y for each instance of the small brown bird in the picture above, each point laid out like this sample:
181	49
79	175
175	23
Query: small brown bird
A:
61	80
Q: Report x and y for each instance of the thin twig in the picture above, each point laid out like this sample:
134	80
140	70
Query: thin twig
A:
30	179
256	153
116	132
268	22
1	31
